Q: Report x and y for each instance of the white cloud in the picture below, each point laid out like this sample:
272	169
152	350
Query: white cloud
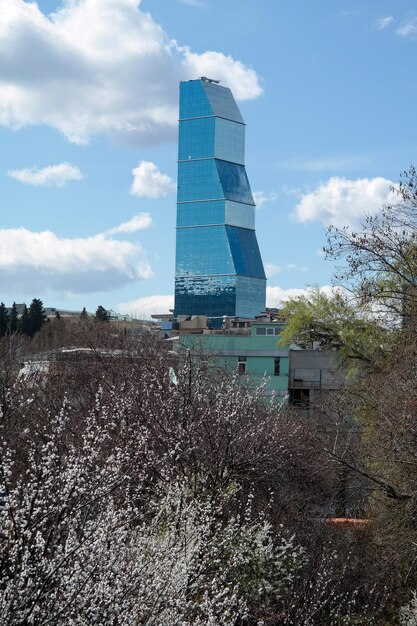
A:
242	80
138	222
276	296
149	182
201	4
41	261
147	306
408	29
261	198
100	67
298	268
341	201
384	22
323	164
51	176
271	269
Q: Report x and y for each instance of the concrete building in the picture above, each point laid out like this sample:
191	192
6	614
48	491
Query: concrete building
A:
312	375
218	269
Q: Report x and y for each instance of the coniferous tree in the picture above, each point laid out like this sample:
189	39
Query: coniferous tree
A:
101	314
37	316
84	314
24	322
14	322
4	320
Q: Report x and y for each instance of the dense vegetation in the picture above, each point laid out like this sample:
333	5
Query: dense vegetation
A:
139	488
371	320
29	323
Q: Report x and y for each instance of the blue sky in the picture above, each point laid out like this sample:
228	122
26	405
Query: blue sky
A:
88	110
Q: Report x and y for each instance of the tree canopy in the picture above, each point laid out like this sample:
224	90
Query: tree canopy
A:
102	314
378	261
14	322
371	320
334	322
4	320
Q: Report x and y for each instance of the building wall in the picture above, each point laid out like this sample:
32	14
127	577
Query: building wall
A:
247	353
312	374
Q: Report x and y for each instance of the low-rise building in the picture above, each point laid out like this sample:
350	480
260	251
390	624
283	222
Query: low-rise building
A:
251	348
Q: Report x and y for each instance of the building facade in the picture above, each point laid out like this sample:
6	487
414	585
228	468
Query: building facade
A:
251	351
305	378
219	270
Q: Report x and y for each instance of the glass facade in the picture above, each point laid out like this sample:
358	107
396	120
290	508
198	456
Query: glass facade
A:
219	269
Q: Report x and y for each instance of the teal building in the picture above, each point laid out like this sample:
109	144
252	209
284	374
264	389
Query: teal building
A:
218	269
252	351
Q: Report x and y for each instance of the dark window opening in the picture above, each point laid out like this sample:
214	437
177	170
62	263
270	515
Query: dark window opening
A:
300	397
241	365
276	366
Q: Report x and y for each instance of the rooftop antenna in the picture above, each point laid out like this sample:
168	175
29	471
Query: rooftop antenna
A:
209	80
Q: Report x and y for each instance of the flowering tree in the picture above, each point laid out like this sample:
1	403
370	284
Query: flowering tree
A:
135	496
96	531
408	613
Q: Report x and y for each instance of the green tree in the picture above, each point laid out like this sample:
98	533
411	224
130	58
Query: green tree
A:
84	314
14	321
332	322
37	316
24	326
32	319
4	320
375	323
101	314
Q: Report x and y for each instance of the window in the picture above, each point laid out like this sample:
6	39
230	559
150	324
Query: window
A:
276	366
268	331
241	365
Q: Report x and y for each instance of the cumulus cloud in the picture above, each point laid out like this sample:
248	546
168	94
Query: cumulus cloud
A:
341	201
261	198
51	176
42	261
100	67
138	222
276	296
242	80
384	22
271	269
149	182
143	308
408	29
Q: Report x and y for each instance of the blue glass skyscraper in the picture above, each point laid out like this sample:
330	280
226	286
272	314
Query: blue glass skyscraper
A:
219	269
